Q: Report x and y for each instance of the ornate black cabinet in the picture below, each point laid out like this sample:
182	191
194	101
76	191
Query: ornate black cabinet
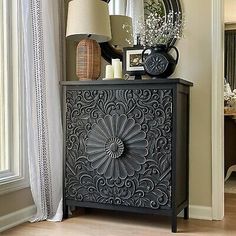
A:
126	146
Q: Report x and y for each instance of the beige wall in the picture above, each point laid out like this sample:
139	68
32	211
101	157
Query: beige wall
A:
15	201
230	11
194	65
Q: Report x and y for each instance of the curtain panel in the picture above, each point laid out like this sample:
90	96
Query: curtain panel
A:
42	73
230	57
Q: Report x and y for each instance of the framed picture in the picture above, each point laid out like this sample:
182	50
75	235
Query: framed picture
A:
132	61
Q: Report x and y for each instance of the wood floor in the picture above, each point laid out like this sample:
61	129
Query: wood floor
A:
97	223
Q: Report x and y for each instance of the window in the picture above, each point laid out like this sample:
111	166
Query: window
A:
12	152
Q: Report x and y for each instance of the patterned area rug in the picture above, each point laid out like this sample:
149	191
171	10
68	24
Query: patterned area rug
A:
230	185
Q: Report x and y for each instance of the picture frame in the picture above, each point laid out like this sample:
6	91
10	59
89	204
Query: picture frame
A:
132	61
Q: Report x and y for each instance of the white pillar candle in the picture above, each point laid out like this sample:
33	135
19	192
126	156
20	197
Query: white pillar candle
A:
121	69
117	70
109	72
113	61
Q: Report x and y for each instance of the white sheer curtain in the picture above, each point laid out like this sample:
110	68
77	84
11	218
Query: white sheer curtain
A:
117	7
135	9
42	73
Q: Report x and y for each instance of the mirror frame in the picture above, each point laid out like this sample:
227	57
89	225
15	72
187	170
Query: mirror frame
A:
109	52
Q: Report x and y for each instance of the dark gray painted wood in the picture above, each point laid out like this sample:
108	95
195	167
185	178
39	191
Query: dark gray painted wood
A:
126	146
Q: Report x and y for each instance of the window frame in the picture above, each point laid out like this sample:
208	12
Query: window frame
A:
16	176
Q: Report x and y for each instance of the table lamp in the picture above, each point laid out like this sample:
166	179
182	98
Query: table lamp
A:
89	23
122	31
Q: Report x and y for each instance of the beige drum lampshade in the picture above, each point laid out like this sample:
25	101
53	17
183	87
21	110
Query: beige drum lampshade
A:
88	23
122	31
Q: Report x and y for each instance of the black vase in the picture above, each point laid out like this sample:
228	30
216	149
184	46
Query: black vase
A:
158	62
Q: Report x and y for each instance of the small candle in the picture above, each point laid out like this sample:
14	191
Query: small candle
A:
109	72
113	61
121	70
117	70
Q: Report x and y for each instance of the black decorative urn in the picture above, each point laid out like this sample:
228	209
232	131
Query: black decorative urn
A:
158	62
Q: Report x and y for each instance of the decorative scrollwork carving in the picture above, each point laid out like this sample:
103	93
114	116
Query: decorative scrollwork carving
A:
129	127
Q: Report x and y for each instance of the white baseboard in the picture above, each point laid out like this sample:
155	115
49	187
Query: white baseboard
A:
199	212
15	218
23	215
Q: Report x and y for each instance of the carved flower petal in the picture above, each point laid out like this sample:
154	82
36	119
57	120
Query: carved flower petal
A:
94	157
109	121
103	167
116	169
97	163
132	134
95	150
136	148
129	167
121	124
139	136
92	142
128	128
103	128
123	170
139	151
137	144
131	160
96	135
110	169
137	158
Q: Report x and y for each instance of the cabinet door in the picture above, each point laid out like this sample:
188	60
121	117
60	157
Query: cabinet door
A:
118	146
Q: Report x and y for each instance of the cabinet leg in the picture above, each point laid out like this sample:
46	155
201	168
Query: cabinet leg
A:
186	213
65	212
174	224
81	210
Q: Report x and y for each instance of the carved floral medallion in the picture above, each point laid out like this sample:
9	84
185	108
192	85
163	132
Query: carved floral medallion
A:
116	146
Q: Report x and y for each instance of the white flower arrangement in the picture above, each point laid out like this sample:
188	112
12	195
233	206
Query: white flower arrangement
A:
232	99
157	29
229	96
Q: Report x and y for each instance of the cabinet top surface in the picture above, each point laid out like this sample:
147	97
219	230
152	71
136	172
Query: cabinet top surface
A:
125	82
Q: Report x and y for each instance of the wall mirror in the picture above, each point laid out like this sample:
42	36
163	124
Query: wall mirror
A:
135	9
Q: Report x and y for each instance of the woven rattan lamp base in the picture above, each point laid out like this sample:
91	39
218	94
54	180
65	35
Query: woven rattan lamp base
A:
88	60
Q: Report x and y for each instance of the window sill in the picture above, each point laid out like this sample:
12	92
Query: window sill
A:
13	183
